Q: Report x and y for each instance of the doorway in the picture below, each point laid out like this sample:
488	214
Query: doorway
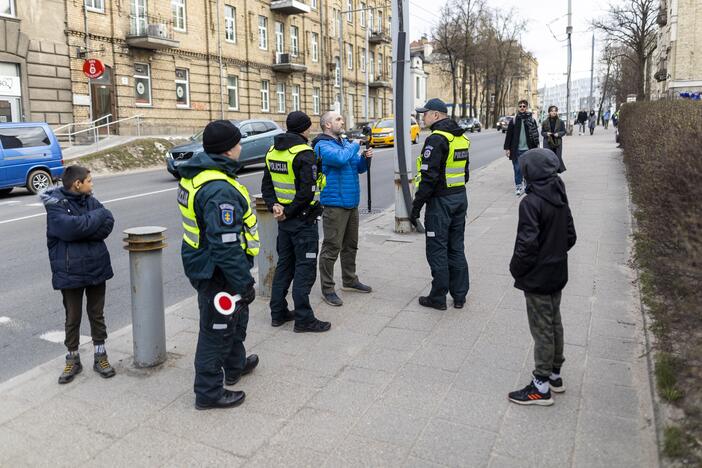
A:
103	99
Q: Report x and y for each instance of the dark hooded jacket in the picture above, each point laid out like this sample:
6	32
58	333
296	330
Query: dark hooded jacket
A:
76	228
514	128
306	166
218	248
546	231
435	153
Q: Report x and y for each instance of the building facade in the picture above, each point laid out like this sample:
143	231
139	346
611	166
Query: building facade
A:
579	97
677	63
35	79
181	63
524	86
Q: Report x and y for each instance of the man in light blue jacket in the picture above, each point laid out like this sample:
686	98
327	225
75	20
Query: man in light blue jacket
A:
341	163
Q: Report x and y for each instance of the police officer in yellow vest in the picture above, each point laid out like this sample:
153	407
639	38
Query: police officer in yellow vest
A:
442	172
220	239
292	181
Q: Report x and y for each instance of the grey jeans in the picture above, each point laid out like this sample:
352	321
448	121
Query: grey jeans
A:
340	227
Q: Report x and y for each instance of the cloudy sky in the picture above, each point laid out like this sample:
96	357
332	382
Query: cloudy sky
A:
537	38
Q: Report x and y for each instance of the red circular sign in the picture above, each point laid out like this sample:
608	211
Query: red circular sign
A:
93	68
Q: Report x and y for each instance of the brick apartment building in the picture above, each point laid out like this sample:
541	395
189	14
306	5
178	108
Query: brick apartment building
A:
182	63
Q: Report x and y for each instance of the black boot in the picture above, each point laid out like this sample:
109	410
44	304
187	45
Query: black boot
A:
73	367
314	326
251	363
229	399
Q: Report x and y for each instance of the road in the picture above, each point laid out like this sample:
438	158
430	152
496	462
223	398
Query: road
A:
31	312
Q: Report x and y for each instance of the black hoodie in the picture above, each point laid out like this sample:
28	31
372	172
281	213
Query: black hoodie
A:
546	231
434	154
306	167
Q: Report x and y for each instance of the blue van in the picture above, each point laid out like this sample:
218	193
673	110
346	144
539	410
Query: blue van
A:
30	156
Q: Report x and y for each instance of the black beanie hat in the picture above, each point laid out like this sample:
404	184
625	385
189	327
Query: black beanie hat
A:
220	136
298	122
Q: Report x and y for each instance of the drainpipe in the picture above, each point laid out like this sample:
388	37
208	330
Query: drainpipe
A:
221	68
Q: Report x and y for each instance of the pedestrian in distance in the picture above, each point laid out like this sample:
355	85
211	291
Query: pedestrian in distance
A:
341	165
522	135
615	119
292	182
582	120
220	240
553	130
592	122
440	183
539	265
605	119
76	228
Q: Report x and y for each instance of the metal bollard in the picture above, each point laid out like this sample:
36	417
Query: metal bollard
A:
268	255
146	274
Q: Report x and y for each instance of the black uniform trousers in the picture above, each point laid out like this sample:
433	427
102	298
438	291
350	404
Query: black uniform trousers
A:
297	246
220	343
444	222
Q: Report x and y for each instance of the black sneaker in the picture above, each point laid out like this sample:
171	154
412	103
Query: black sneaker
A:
530	395
358	287
314	326
288	317
229	399
102	366
72	368
426	302
332	299
557	385
251	363
458	304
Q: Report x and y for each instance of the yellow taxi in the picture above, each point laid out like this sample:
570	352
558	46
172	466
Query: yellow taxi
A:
383	132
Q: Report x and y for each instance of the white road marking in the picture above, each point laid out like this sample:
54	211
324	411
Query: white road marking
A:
58	336
8	203
34	204
4	320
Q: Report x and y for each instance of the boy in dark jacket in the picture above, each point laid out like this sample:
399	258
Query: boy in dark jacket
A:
540	268
76	228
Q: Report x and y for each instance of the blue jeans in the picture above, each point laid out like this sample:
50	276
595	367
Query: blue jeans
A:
517	171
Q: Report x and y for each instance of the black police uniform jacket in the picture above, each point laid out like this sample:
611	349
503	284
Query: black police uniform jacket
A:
434	154
306	166
217	249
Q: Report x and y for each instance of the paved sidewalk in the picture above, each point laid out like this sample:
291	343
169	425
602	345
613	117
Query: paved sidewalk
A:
392	384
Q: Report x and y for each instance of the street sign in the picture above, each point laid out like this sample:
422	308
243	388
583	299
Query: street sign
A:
93	68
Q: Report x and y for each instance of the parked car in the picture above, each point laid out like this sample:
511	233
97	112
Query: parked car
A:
360	132
383	132
30	156
503	123
470	125
256	138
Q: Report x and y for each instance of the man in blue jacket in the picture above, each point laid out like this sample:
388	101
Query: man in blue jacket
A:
341	164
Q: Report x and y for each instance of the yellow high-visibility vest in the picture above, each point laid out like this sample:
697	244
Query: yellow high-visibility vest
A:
455	163
280	166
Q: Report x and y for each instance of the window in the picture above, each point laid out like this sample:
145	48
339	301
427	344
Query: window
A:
229	23
335	21
265	96
91	5
379	22
263	32
294	44
296	97
23	137
258	128
182	87
380	65
370	19
349	56
247	130
349	11
337	72
372	107
417	87
313	4
315	47
178	10
233	92
138	18
315	101
142	84
280	92
362	13
362	60
379	107
279	38
371	65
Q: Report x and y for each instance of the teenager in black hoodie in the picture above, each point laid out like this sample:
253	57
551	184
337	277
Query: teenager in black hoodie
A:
539	266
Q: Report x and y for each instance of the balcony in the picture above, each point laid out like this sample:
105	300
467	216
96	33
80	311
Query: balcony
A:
379	82
149	32
662	18
287	63
661	74
378	37
290	7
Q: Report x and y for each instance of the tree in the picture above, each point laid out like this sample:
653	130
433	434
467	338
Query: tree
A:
447	39
469	15
631	24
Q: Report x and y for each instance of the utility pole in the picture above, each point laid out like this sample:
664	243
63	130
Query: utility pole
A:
367	65
591	100
87	52
569	31
401	96
341	65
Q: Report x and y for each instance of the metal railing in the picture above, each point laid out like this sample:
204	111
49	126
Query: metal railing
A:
150	26
95	129
72	126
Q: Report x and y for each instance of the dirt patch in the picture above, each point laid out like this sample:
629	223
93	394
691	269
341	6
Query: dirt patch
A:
139	154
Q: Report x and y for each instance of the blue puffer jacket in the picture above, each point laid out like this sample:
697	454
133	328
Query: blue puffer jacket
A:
76	228
341	163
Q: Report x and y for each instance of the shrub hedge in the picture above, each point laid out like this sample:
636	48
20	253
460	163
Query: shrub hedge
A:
662	144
